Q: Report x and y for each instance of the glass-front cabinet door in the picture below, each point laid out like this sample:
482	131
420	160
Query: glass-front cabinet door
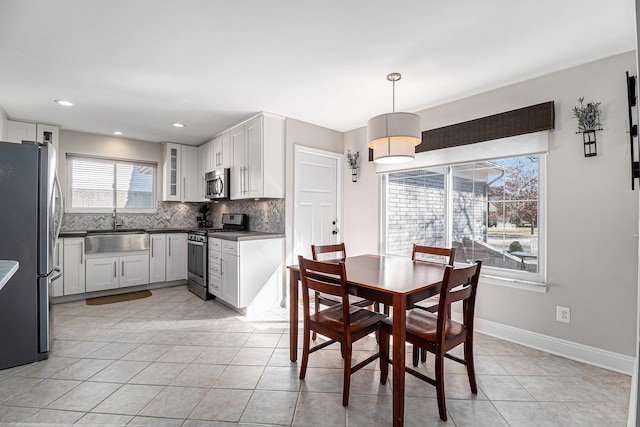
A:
172	173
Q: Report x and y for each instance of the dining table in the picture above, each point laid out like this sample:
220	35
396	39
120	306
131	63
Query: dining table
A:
387	279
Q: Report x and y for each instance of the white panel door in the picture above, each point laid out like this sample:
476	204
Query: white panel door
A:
316	207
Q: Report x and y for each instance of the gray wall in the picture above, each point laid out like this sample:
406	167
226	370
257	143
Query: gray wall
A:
592	214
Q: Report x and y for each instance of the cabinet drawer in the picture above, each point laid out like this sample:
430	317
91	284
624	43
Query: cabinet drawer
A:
214	285
229	247
215	269
214	244
214	257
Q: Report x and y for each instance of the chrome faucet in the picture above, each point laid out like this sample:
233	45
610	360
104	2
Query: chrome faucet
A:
117	222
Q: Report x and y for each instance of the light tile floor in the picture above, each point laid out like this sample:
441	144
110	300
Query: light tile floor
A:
175	360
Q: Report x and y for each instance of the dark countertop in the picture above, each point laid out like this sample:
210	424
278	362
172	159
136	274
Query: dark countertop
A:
83	233
238	236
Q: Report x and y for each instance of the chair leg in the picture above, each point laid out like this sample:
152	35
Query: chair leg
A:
384	356
439	368
471	370
423	355
346	381
305	353
415	355
317	308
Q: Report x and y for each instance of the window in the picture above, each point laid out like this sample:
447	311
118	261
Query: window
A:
488	210
98	185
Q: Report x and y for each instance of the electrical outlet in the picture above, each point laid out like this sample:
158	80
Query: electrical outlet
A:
563	314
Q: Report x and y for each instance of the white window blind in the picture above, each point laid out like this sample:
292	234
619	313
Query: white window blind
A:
98	185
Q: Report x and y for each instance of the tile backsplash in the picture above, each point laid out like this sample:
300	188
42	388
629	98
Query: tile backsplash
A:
264	215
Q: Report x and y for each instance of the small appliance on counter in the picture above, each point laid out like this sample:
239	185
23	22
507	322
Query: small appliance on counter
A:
198	252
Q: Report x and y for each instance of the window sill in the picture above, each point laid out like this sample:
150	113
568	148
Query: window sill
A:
525	285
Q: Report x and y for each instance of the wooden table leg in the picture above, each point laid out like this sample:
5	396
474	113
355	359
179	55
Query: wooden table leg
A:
294	276
399	335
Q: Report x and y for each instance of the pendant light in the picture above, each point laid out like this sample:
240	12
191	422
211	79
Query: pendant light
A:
394	136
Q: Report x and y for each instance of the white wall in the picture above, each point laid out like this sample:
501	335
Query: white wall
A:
106	146
592	214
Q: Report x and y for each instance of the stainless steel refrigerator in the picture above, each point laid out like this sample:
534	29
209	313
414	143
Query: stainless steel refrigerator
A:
29	228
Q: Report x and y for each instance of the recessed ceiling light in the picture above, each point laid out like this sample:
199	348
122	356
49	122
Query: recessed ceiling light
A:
63	103
178	125
117	132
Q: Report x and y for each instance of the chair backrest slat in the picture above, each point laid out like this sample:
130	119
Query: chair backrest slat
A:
337	248
449	253
323	276
458	284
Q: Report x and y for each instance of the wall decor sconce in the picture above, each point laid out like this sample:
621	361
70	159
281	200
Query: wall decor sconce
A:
589	141
352	163
588	123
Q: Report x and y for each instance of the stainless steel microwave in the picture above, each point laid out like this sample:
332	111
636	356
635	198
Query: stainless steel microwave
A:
217	184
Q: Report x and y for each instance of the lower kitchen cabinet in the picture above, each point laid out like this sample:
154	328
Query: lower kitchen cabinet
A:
229	285
74	266
251	273
176	261
117	271
157	258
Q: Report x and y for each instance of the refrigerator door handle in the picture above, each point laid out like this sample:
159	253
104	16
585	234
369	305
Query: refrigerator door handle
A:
60	207
57	276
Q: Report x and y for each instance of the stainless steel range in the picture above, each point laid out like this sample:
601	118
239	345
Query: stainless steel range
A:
197	252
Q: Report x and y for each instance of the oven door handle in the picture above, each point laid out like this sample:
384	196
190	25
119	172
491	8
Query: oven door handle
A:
191	242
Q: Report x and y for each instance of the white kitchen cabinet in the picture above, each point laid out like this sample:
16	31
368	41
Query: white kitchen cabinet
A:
74	266
258	158
172	172
191	180
176	256
222	152
157	258
20	131
214	275
23	131
180	173
204	166
57	286
251	273
134	270
117	271
102	273
54	130
229	283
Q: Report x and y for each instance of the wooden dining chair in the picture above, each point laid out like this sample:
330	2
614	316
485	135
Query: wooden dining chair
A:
438	334
343	323
429	254
335	251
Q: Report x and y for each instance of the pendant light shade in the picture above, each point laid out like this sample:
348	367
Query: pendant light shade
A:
394	136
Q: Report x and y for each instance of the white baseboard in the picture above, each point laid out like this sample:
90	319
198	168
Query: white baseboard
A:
578	352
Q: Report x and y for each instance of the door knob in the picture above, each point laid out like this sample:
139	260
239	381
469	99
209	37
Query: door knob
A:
335	229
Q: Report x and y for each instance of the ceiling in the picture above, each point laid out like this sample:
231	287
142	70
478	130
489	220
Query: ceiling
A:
138	66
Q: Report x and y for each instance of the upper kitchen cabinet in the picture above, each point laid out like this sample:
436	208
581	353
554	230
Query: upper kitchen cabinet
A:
204	165
41	130
222	153
23	131
258	158
181	182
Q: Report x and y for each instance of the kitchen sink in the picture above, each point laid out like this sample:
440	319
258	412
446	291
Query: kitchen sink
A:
118	231
116	241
